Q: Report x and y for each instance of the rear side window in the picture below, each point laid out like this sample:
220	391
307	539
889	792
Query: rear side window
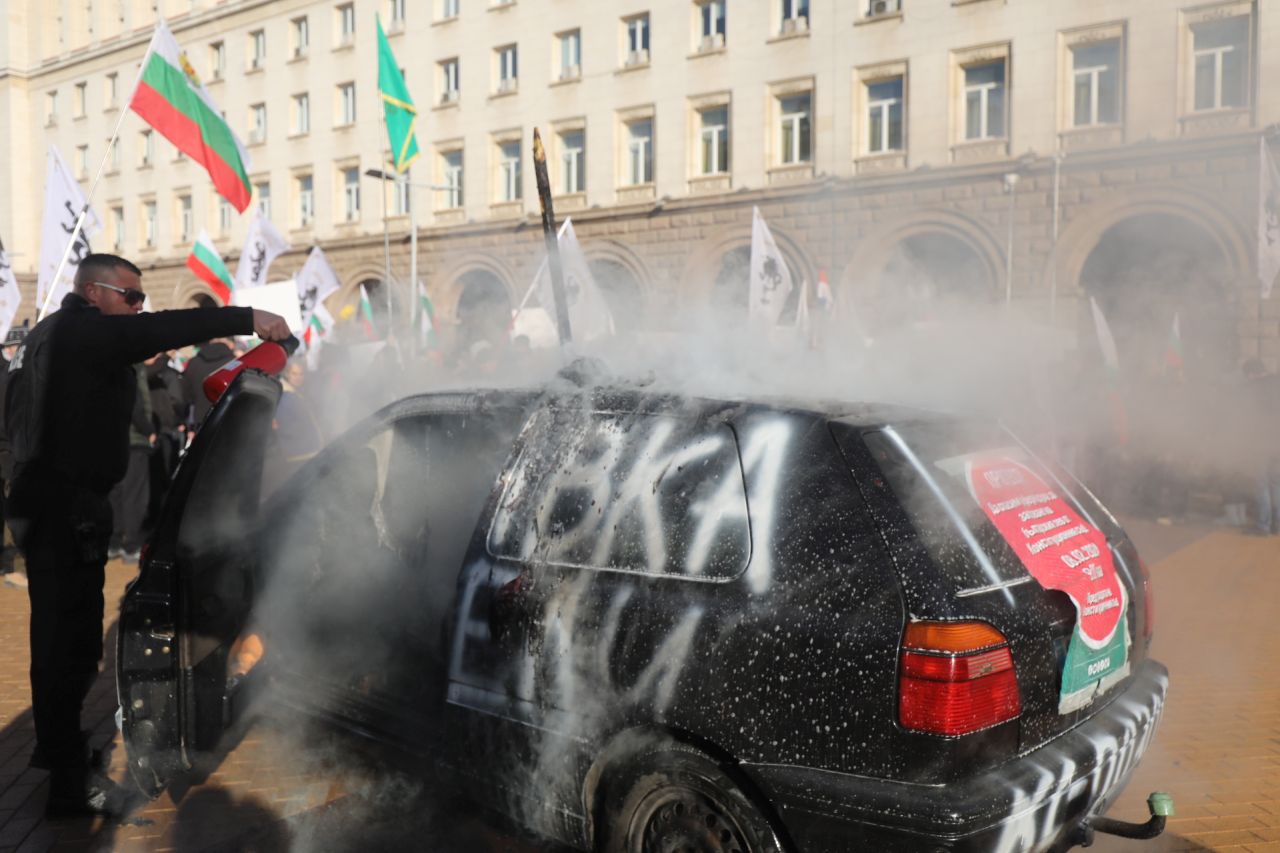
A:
932	469
626	492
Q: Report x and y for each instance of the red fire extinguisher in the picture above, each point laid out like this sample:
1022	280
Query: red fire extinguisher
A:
268	356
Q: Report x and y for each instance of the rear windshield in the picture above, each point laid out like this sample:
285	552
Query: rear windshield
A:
940	473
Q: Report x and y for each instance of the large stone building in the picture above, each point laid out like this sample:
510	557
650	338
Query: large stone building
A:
914	151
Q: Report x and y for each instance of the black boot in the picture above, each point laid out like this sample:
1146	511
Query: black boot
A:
78	792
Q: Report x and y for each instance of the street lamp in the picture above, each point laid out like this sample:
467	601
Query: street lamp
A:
384	176
1010	184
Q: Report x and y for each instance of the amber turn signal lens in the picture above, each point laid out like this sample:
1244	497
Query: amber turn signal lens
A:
951	636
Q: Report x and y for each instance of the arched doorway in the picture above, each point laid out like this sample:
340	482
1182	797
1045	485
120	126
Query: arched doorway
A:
622	293
927	277
484	308
732	285
1148	267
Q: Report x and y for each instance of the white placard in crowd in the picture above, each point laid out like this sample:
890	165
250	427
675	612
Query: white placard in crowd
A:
279	298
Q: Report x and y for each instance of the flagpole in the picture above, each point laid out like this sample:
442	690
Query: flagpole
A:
386	241
552	240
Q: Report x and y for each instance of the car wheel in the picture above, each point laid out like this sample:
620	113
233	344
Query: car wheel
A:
680	800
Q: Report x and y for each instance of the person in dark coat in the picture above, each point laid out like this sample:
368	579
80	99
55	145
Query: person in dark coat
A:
68	408
8	553
169	411
130	496
209	357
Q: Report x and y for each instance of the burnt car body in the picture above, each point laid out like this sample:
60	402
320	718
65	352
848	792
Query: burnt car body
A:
623	617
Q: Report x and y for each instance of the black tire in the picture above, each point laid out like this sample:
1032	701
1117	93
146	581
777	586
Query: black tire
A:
677	800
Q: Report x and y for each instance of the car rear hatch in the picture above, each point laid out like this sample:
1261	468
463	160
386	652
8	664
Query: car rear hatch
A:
982	531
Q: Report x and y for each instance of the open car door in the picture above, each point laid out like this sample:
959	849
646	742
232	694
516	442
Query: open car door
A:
192	596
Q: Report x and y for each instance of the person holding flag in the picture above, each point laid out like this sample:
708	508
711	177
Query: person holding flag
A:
68	408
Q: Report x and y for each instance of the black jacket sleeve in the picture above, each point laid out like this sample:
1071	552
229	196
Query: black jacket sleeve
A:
135	338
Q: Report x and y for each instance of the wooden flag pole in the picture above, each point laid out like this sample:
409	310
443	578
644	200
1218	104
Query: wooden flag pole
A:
549	235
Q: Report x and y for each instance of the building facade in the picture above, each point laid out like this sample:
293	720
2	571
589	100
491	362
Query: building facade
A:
914	152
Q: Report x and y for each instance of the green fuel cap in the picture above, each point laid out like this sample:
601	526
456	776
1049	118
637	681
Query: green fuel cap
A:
1160	804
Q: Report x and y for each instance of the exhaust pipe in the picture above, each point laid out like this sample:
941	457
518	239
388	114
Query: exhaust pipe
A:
1160	804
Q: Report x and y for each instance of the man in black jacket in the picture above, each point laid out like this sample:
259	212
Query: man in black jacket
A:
211	355
69	403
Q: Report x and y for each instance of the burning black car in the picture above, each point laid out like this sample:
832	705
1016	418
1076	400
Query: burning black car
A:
633	620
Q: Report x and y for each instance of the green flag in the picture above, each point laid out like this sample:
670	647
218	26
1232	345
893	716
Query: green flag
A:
395	100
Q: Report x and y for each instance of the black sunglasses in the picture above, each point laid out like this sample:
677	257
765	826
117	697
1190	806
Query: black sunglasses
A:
132	296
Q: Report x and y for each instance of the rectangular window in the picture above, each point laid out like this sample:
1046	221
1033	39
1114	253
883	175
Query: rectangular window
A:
1095	77
301	37
711	24
346	24
111	90
714	135
1221	53
640	152
795	129
508	68
306	201
451	173
148	223
217	60
117	228
637	40
347	104
573	162
302	113
884	116
257	124
225	213
185	221
51	108
351	193
397	14
146	148
257	49
82	161
570	55
984	101
449	91
795	16
81	96
263	192
448	9
510	185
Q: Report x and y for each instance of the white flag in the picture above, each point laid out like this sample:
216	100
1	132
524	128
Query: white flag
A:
10	296
589	316
263	245
315	281
770	277
1268	219
1105	342
63	201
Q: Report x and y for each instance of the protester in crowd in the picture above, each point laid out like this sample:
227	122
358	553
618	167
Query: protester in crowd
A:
169	408
130	496
298	431
8	552
1263	391
209	357
67	415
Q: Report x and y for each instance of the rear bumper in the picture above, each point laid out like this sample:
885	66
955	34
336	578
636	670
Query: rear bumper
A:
1030	803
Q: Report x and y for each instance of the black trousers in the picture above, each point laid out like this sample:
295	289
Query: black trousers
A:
65	545
129	500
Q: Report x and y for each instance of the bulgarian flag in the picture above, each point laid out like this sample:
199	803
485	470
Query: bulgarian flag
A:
426	319
207	264
1173	351
171	98
366	315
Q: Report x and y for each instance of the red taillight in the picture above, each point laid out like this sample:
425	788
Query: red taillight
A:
1148	602
956	678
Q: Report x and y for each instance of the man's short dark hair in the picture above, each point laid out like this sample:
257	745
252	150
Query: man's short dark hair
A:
97	263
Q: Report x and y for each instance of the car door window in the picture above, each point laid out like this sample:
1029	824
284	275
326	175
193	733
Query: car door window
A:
626	492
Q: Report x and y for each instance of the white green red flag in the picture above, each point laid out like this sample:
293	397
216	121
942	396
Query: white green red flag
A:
366	315
426	319
171	98
208	266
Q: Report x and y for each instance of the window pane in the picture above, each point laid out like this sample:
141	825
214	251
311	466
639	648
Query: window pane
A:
973	115
875	129
895	126
995	112
1083	113
1234	79
1109	96
804	139
1206	82
1229	32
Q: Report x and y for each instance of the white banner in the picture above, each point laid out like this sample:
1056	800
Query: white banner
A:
316	280
1268	219
63	201
263	245
770	278
10	295
279	298
588	312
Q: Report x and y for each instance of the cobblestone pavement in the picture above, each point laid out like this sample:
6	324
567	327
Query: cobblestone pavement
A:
286	786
